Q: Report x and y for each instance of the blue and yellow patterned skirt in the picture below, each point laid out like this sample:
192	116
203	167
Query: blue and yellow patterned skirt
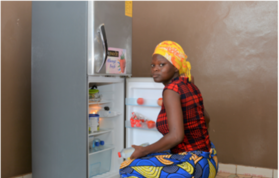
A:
197	164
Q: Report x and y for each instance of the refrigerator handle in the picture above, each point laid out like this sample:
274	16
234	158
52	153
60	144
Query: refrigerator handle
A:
105	44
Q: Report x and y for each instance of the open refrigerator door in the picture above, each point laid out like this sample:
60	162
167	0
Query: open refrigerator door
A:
143	104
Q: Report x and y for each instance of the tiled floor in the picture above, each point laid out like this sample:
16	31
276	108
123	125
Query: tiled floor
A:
231	175
239	171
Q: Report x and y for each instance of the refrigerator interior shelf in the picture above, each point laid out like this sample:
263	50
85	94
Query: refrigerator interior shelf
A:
98	103
110	115
144	127
102	131
106	148
146	102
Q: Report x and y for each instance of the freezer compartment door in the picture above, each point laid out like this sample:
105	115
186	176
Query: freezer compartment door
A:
149	92
108	26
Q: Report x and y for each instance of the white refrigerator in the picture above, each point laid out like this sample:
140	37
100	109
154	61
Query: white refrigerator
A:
72	45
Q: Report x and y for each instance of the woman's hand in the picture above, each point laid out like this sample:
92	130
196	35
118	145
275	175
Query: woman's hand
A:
139	152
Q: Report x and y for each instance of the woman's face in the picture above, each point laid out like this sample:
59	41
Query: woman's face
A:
162	70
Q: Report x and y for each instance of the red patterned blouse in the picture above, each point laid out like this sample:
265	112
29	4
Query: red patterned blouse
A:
195	131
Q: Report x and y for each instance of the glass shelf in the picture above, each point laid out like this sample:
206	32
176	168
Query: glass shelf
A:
147	102
102	131
111	115
144	127
99	103
106	148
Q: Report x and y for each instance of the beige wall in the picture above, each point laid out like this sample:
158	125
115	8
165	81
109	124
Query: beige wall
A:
15	88
232	47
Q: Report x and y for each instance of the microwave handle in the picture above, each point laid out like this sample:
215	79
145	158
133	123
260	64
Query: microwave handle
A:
105	44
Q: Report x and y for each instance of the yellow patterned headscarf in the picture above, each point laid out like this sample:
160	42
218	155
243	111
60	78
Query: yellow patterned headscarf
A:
174	53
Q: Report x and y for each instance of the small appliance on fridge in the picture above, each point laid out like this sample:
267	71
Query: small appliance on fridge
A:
77	46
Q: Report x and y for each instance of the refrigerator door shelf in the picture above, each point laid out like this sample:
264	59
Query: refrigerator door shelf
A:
99	103
106	148
144	127
146	102
102	131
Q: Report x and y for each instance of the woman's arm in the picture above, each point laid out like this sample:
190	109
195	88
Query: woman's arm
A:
172	104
